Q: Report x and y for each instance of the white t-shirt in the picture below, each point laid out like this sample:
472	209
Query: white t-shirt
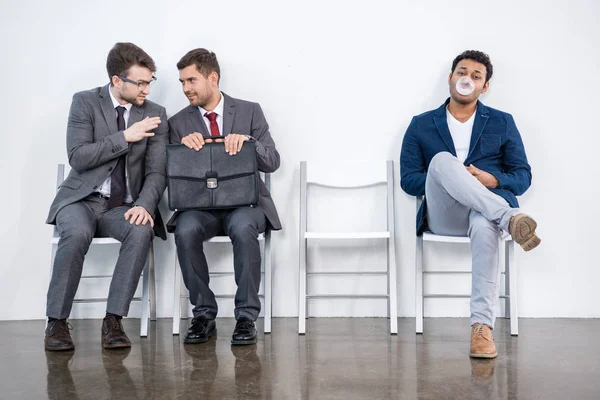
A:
461	134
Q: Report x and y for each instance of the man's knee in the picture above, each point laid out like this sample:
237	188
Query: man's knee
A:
481	227
189	232
244	232
140	233
441	160
78	236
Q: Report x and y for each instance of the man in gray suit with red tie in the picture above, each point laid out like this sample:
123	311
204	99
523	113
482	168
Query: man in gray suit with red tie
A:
116	146
213	113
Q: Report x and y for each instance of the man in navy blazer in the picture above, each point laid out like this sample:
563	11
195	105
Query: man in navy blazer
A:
469	162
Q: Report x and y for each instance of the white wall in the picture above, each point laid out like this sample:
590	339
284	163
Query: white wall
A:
337	80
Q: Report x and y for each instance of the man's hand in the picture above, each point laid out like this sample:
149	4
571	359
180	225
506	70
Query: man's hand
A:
488	180
234	143
141	129
196	141
139	215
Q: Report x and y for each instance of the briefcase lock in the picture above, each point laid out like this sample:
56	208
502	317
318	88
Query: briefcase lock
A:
212	183
211	180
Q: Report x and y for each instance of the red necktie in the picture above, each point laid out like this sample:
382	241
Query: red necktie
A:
214	127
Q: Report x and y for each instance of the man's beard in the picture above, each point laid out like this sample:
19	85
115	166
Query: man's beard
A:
133	99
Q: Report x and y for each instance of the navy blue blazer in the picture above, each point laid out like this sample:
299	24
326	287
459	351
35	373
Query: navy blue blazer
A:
496	147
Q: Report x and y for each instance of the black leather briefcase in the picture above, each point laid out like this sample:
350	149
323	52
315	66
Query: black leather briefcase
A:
211	179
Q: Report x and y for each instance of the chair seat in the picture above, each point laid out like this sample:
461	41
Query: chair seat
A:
431	237
54	240
225	239
346	235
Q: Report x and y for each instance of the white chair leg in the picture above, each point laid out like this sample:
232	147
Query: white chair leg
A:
145	300
152	284
302	287
392	287
419	285
504	267
176	298
268	282
52	256
511	268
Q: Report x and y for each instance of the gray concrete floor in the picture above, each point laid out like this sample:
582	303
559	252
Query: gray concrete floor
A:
338	358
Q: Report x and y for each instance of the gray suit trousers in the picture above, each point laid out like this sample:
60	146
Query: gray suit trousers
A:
77	224
459	205
242	225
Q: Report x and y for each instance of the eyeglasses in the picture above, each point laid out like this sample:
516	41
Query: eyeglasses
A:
140	85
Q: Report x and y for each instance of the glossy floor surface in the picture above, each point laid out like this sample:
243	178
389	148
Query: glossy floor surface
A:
337	359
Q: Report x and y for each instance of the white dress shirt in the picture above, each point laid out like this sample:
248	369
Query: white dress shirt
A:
104	189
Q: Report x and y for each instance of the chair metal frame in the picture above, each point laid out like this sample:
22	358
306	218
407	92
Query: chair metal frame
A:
148	298
506	260
366	174
181	303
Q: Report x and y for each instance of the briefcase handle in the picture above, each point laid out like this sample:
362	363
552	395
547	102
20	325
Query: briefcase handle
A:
213	137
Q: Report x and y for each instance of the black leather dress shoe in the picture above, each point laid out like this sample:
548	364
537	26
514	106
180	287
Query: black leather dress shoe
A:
200	330
244	332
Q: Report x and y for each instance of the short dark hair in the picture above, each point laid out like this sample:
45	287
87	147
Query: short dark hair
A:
124	56
478	56
205	61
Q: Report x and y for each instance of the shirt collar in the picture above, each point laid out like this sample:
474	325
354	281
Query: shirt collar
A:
218	109
116	103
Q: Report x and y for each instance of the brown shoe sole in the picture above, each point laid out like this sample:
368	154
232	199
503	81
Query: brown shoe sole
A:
522	230
60	348
116	346
483	355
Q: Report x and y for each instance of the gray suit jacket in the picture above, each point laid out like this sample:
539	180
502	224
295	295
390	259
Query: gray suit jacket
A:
94	144
241	117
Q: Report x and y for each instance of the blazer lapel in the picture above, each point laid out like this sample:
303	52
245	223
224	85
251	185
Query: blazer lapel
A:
197	120
481	118
108	110
228	114
441	122
135	115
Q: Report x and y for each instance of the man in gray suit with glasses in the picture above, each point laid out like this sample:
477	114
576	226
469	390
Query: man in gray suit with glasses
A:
213	113
116	146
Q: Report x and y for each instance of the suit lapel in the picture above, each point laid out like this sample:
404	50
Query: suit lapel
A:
481	119
197	120
228	114
108	110
135	115
441	122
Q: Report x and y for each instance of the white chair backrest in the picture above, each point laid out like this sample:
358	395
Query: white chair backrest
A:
345	174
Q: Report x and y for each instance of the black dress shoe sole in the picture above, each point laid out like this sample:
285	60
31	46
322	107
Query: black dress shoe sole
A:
116	345
66	347
197	341
243	342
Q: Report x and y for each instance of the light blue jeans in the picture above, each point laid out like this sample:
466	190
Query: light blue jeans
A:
459	205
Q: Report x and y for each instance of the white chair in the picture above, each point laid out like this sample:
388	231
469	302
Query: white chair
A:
506	258
347	175
181	303
148	298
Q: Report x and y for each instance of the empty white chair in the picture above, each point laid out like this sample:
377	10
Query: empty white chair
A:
148	298
181	303
507	266
347	175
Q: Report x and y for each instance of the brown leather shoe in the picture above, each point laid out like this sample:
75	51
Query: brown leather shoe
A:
522	229
58	337
113	335
482	342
